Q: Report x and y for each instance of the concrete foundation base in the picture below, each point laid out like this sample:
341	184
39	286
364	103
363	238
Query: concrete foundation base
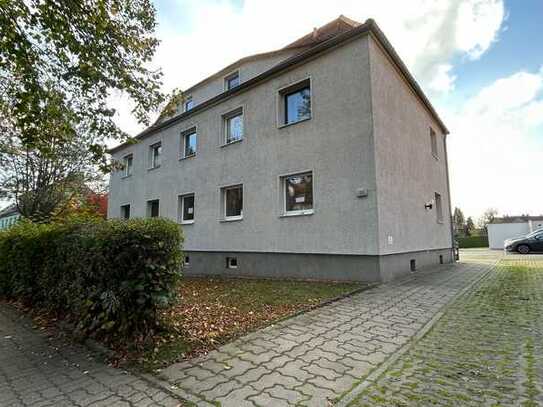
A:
326	267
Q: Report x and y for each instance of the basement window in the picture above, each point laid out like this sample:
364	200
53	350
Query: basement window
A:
231	262
413	265
187	261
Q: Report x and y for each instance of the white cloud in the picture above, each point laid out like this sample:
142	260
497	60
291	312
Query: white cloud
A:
495	152
426	33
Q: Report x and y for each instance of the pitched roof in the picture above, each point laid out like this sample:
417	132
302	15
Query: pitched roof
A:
335	27
342	36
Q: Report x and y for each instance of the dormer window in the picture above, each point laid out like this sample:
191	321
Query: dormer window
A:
189	104
231	81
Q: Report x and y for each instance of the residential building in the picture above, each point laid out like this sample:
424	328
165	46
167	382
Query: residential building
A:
320	160
9	216
501	229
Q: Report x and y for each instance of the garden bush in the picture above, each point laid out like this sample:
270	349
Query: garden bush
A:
110	277
472	242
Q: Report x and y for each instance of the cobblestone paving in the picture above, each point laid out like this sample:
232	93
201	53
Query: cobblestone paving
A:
316	357
38	372
487	350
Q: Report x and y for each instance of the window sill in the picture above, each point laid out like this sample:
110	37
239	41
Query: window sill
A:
187	157
153	168
297	213
126	176
187	222
232	142
282	126
231	219
440	222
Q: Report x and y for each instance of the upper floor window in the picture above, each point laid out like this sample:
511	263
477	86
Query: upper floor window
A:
233	129
125	211
127	165
433	142
298	190
186	208
296	103
233	202
231	81
188	143
153	208
439	208
189	104
155	153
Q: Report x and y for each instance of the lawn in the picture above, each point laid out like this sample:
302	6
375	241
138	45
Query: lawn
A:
213	311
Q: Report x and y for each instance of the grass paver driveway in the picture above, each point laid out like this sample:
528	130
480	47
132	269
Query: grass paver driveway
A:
487	349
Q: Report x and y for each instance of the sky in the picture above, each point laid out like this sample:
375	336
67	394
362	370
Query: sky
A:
479	61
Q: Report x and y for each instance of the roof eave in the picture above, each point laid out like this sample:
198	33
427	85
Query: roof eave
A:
370	26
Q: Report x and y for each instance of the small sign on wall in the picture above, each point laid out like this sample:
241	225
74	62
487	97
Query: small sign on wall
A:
390	240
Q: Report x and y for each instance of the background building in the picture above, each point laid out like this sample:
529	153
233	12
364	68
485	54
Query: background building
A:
511	226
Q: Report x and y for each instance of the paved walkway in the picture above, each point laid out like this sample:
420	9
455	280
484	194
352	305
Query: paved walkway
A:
320	356
487	350
37	371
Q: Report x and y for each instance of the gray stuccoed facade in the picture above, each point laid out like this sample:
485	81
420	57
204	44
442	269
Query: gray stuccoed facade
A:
323	161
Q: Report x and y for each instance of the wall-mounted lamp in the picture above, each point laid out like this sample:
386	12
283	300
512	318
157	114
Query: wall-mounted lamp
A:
361	193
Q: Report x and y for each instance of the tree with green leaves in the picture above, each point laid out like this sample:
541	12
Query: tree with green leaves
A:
488	217
470	226
458	220
60	61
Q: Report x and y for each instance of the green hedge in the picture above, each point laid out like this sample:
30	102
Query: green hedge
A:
110	277
472	241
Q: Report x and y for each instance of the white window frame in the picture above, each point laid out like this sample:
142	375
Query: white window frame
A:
229	77
126	172
152	147
283	189
223	194
184	134
181	209
239	111
229	264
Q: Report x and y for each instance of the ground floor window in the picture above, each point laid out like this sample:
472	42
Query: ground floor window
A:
153	209
125	212
298	193
186	208
233	202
